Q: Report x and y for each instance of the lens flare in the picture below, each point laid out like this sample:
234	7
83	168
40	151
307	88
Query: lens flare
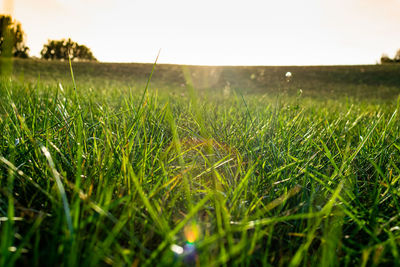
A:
188	252
191	257
192	232
178	250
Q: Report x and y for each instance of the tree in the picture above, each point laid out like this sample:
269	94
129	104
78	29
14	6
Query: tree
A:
64	49
12	38
397	56
386	59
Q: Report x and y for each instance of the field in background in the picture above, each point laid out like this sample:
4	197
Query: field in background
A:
206	166
362	82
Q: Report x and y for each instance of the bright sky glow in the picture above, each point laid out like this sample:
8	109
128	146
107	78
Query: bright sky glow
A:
218	32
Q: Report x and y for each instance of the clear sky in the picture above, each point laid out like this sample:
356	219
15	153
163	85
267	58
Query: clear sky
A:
218	32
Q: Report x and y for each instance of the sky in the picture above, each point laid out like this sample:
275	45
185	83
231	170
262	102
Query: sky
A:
217	32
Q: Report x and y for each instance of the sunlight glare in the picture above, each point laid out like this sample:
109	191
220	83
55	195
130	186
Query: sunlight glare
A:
192	232
177	249
7	7
203	33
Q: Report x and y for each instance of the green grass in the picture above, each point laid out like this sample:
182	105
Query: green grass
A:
330	82
112	172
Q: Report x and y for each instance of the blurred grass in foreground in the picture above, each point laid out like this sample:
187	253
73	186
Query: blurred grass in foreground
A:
114	174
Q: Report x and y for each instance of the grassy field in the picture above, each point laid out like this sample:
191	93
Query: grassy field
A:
203	166
330	82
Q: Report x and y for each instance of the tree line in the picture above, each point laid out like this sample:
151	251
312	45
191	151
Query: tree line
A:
12	44
386	59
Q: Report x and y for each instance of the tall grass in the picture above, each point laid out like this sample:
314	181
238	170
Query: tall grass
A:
124	176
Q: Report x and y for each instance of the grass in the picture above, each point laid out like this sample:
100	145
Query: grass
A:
118	173
329	82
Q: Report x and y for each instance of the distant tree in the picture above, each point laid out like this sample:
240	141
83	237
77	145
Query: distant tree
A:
386	59
64	49
12	38
397	56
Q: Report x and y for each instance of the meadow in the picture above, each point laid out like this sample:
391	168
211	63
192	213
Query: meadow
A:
167	165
